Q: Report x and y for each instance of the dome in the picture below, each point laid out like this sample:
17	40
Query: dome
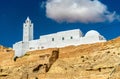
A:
92	33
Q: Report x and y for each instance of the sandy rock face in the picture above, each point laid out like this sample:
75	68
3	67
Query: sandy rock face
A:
91	61
29	66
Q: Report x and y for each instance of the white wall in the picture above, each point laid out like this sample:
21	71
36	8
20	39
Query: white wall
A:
60	39
20	48
17	47
25	47
91	39
34	45
71	37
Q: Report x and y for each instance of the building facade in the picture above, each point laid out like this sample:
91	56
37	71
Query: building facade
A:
55	40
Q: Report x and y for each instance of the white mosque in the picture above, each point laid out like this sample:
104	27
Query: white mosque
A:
55	40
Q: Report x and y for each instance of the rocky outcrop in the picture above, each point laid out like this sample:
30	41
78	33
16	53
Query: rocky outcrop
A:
5	49
91	61
28	66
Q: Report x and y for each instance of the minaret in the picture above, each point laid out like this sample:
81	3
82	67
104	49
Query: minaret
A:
27	30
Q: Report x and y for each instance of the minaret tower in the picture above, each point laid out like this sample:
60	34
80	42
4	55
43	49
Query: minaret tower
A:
27	30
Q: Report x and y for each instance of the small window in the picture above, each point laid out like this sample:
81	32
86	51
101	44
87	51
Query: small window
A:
71	37
100	38
63	38
42	47
31	48
52	39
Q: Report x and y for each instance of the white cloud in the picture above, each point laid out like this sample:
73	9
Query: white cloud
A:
85	11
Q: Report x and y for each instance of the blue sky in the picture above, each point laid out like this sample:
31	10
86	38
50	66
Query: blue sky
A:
14	12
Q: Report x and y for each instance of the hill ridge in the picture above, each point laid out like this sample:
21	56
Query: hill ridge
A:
90	61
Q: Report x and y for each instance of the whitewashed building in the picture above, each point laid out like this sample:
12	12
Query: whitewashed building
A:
55	40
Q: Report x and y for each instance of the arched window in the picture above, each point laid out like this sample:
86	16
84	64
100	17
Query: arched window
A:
63	38
42	47
100	38
52	39
71	37
27	21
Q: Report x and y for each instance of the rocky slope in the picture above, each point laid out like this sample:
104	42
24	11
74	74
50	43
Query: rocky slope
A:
91	61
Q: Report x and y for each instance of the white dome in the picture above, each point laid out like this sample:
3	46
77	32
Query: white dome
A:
92	33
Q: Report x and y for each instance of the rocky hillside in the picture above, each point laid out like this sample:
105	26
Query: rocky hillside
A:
91	61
